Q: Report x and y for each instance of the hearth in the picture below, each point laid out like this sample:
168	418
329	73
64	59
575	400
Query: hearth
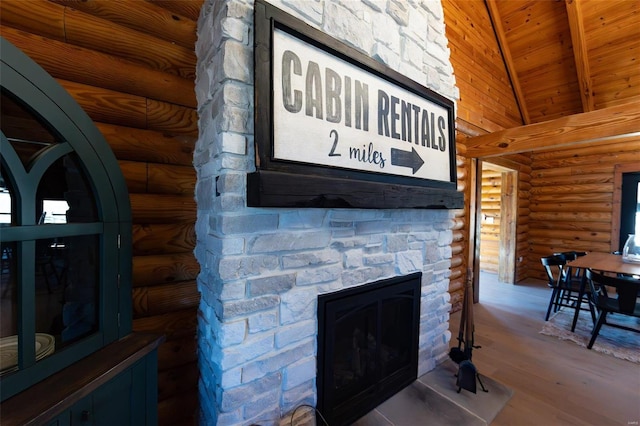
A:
367	346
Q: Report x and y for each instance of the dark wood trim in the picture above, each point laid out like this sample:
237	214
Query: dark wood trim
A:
277	189
477	230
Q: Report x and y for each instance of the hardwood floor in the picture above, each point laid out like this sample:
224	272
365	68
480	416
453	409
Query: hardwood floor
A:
555	382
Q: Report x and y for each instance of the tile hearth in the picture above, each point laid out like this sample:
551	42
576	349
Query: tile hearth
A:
433	400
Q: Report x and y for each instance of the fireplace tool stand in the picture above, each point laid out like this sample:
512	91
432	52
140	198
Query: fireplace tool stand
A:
467	372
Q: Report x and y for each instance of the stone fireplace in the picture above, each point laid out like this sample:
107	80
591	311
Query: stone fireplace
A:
262	269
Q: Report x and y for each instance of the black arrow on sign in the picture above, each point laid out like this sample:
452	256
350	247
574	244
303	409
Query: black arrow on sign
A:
406	159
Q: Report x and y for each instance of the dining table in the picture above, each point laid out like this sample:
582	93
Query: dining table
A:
605	262
602	262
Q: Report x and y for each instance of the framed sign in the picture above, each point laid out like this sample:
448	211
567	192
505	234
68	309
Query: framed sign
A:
334	128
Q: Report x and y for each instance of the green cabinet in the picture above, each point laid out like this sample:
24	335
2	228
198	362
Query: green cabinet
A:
66	264
116	385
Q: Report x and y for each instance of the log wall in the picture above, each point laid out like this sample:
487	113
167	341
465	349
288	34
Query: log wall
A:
460	245
572	196
490	219
131	65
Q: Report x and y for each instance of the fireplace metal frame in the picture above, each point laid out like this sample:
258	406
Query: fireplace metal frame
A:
345	412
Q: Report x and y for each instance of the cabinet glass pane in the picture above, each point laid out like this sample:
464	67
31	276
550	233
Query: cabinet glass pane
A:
21	127
7	214
67	271
8	291
64	194
8	283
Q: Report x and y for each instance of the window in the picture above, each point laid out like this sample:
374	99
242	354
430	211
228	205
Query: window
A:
629	206
5	205
54	211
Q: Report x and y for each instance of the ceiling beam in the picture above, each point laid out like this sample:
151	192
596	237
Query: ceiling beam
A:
494	17
580	129
580	54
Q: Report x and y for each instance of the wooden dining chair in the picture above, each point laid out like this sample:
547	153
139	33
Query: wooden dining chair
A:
568	289
623	301
576	289
553	268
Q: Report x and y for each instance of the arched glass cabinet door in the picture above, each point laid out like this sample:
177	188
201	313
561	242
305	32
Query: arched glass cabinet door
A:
65	229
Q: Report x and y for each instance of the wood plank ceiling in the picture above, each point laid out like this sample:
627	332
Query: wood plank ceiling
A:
564	59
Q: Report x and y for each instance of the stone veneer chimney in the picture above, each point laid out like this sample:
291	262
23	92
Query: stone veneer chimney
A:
262	269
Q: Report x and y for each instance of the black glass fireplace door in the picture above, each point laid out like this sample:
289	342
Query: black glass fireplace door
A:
367	347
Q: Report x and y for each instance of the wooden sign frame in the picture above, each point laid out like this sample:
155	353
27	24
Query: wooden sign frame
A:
285	177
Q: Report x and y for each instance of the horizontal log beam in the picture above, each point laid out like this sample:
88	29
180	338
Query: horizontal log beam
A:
187	8
178	408
572	216
171	179
145	17
161	299
588	162
173	325
163	238
177	380
108	106
579	129
85	30
177	352
124	76
586	226
142	145
166	268
162	208
158	178
42	18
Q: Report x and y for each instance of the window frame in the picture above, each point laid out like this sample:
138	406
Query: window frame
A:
628	206
616	216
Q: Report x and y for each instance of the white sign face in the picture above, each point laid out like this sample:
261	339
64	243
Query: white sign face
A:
330	112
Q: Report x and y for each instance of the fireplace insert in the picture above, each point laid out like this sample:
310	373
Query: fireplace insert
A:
367	346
